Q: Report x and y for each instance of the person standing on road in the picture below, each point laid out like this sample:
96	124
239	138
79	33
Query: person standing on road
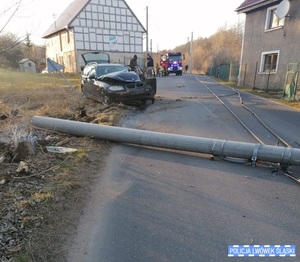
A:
133	62
157	70
186	68
150	65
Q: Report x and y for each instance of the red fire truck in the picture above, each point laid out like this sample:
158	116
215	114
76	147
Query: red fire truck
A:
171	63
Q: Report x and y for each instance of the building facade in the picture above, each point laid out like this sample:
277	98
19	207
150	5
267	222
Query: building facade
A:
271	43
107	26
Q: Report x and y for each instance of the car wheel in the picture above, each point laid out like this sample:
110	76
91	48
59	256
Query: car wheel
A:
104	98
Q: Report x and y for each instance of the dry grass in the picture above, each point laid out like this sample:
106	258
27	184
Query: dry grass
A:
273	95
59	181
15	79
276	95
41	93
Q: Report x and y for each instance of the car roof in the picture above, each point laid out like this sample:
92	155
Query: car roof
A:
105	65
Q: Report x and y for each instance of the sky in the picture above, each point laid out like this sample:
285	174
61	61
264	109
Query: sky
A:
169	24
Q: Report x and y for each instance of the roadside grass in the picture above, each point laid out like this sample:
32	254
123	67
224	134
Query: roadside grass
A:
42	94
16	79
65	178
41	196
276	95
56	178
50	95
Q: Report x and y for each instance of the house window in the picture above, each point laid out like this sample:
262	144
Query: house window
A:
269	62
272	20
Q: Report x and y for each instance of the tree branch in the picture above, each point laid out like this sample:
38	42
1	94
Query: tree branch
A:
12	15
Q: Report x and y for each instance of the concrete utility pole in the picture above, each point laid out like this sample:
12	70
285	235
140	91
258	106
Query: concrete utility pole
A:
191	53
284	155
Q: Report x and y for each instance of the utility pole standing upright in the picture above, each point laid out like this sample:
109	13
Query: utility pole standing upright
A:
147	33
191	53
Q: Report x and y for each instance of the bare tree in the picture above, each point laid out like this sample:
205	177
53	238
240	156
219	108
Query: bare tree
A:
28	47
10	51
223	47
34	52
11	45
9	41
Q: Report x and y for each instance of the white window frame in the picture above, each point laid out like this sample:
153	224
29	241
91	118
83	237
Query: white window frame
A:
264	56
268	23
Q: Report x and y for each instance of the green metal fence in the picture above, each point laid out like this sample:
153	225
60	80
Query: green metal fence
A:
226	72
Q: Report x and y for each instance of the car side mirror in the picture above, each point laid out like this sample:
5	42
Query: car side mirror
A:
82	67
92	77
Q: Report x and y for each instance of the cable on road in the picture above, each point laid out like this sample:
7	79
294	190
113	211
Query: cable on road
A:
241	161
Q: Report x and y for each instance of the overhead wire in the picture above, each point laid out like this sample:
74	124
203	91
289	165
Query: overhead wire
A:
283	170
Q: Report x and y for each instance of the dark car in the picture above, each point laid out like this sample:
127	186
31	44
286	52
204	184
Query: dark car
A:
114	83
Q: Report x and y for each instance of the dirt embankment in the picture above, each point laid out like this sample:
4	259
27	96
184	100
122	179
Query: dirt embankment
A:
41	191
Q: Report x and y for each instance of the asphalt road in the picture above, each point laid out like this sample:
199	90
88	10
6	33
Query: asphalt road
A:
160	205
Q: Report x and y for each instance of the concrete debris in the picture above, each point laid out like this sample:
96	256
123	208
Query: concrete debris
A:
60	150
23	167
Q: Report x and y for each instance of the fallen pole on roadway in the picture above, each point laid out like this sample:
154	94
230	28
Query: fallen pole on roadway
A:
285	156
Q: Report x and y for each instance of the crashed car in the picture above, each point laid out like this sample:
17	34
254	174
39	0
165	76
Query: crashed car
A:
114	83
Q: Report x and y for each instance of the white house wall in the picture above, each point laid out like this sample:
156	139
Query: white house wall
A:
107	25
60	48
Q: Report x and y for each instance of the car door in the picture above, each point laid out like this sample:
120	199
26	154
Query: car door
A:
84	79
88	80
92	83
